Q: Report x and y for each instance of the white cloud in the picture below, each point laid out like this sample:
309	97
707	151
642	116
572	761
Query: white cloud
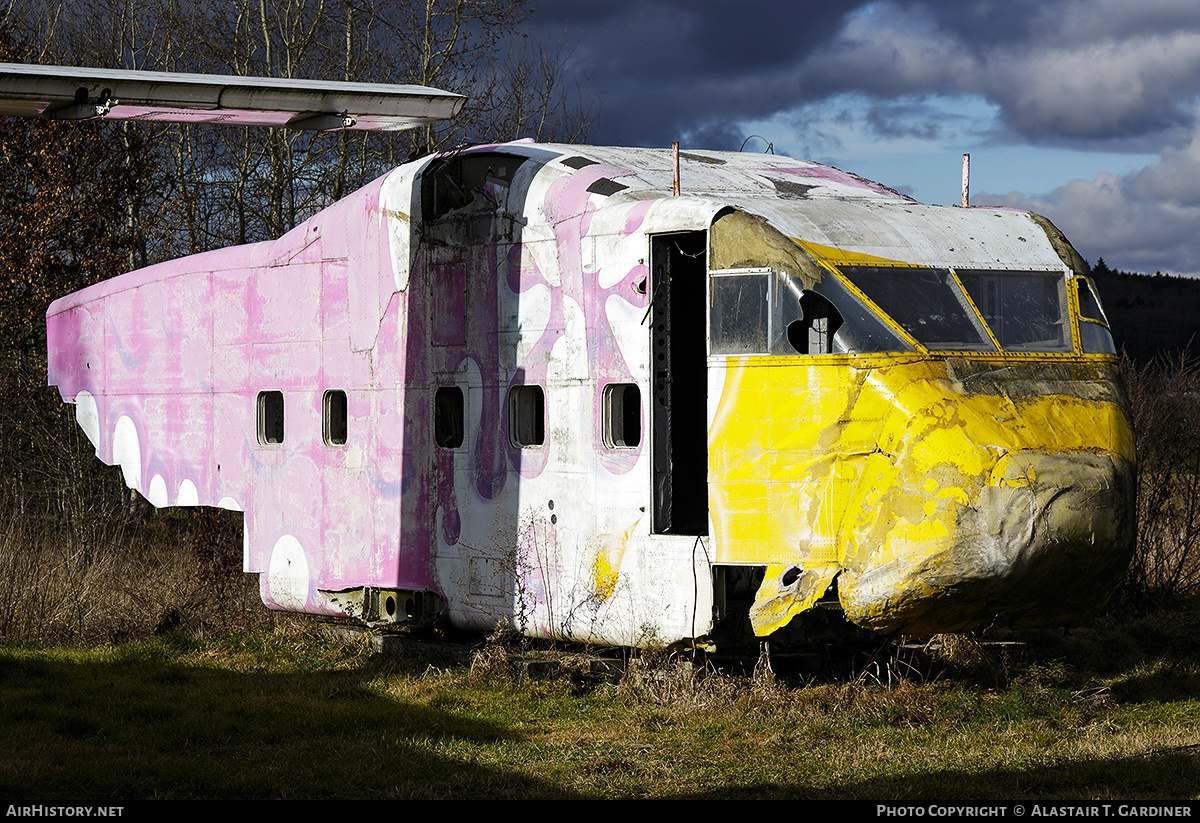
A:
1146	220
1083	69
1174	177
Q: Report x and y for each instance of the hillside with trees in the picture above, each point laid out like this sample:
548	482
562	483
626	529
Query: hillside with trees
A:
1151	315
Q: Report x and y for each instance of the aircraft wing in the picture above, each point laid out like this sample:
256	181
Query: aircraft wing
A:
70	93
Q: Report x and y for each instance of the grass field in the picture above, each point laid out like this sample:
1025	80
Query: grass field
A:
1108	712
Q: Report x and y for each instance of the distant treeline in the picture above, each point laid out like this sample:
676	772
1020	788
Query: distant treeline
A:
1151	315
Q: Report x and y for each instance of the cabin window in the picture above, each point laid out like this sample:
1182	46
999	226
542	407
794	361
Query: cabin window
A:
270	417
526	416
448	417
925	302
334	418
1026	310
622	416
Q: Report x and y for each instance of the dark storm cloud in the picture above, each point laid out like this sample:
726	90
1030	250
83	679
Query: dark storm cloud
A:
1073	69
1109	75
668	69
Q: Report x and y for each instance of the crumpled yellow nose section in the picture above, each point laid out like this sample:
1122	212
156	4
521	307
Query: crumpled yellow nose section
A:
897	471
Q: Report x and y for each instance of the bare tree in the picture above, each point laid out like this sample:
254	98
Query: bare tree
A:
228	186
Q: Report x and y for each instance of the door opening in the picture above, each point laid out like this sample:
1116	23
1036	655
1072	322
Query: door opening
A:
678	349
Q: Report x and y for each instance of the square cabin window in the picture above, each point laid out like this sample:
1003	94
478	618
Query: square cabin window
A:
622	416
270	418
526	416
334	418
448	417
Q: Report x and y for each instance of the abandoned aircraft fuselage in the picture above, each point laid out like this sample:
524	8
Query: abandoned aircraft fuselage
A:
523	381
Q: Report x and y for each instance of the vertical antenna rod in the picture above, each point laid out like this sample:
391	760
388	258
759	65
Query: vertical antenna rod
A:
675	164
966	181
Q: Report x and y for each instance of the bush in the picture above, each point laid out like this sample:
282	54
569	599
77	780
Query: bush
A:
1164	397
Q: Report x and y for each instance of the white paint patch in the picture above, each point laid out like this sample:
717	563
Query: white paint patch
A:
127	452
716	390
397	189
188	495
569	353
534	314
287	574
87	415
158	492
229	504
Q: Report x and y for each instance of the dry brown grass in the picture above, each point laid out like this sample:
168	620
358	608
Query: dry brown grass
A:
1164	398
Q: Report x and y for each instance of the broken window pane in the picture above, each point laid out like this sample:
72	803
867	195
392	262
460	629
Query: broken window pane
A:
787	298
1025	310
270	417
861	329
926	302
814	332
622	416
334	418
526	416
448	417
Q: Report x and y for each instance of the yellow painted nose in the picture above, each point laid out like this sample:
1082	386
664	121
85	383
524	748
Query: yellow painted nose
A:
1044	544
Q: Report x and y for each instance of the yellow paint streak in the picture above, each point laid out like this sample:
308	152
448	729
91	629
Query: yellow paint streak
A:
606	565
832	254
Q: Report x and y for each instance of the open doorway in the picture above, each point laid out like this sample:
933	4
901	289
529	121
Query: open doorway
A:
678	351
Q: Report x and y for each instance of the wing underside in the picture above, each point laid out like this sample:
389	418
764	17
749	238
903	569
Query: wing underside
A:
70	93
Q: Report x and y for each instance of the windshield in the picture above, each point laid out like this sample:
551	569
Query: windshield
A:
1026	310
762	311
926	302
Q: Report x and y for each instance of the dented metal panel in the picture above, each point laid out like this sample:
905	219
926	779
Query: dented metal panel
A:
481	311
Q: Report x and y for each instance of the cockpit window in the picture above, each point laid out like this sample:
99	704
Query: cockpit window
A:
860	330
1026	310
763	311
1094	336
926	302
1089	304
739	320
456	181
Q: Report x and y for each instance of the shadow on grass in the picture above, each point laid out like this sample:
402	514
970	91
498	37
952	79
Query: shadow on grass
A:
135	728
1168	776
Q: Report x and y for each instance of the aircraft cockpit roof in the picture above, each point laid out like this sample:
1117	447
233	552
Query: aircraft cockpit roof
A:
841	215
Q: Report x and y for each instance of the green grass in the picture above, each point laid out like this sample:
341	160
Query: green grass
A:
292	713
